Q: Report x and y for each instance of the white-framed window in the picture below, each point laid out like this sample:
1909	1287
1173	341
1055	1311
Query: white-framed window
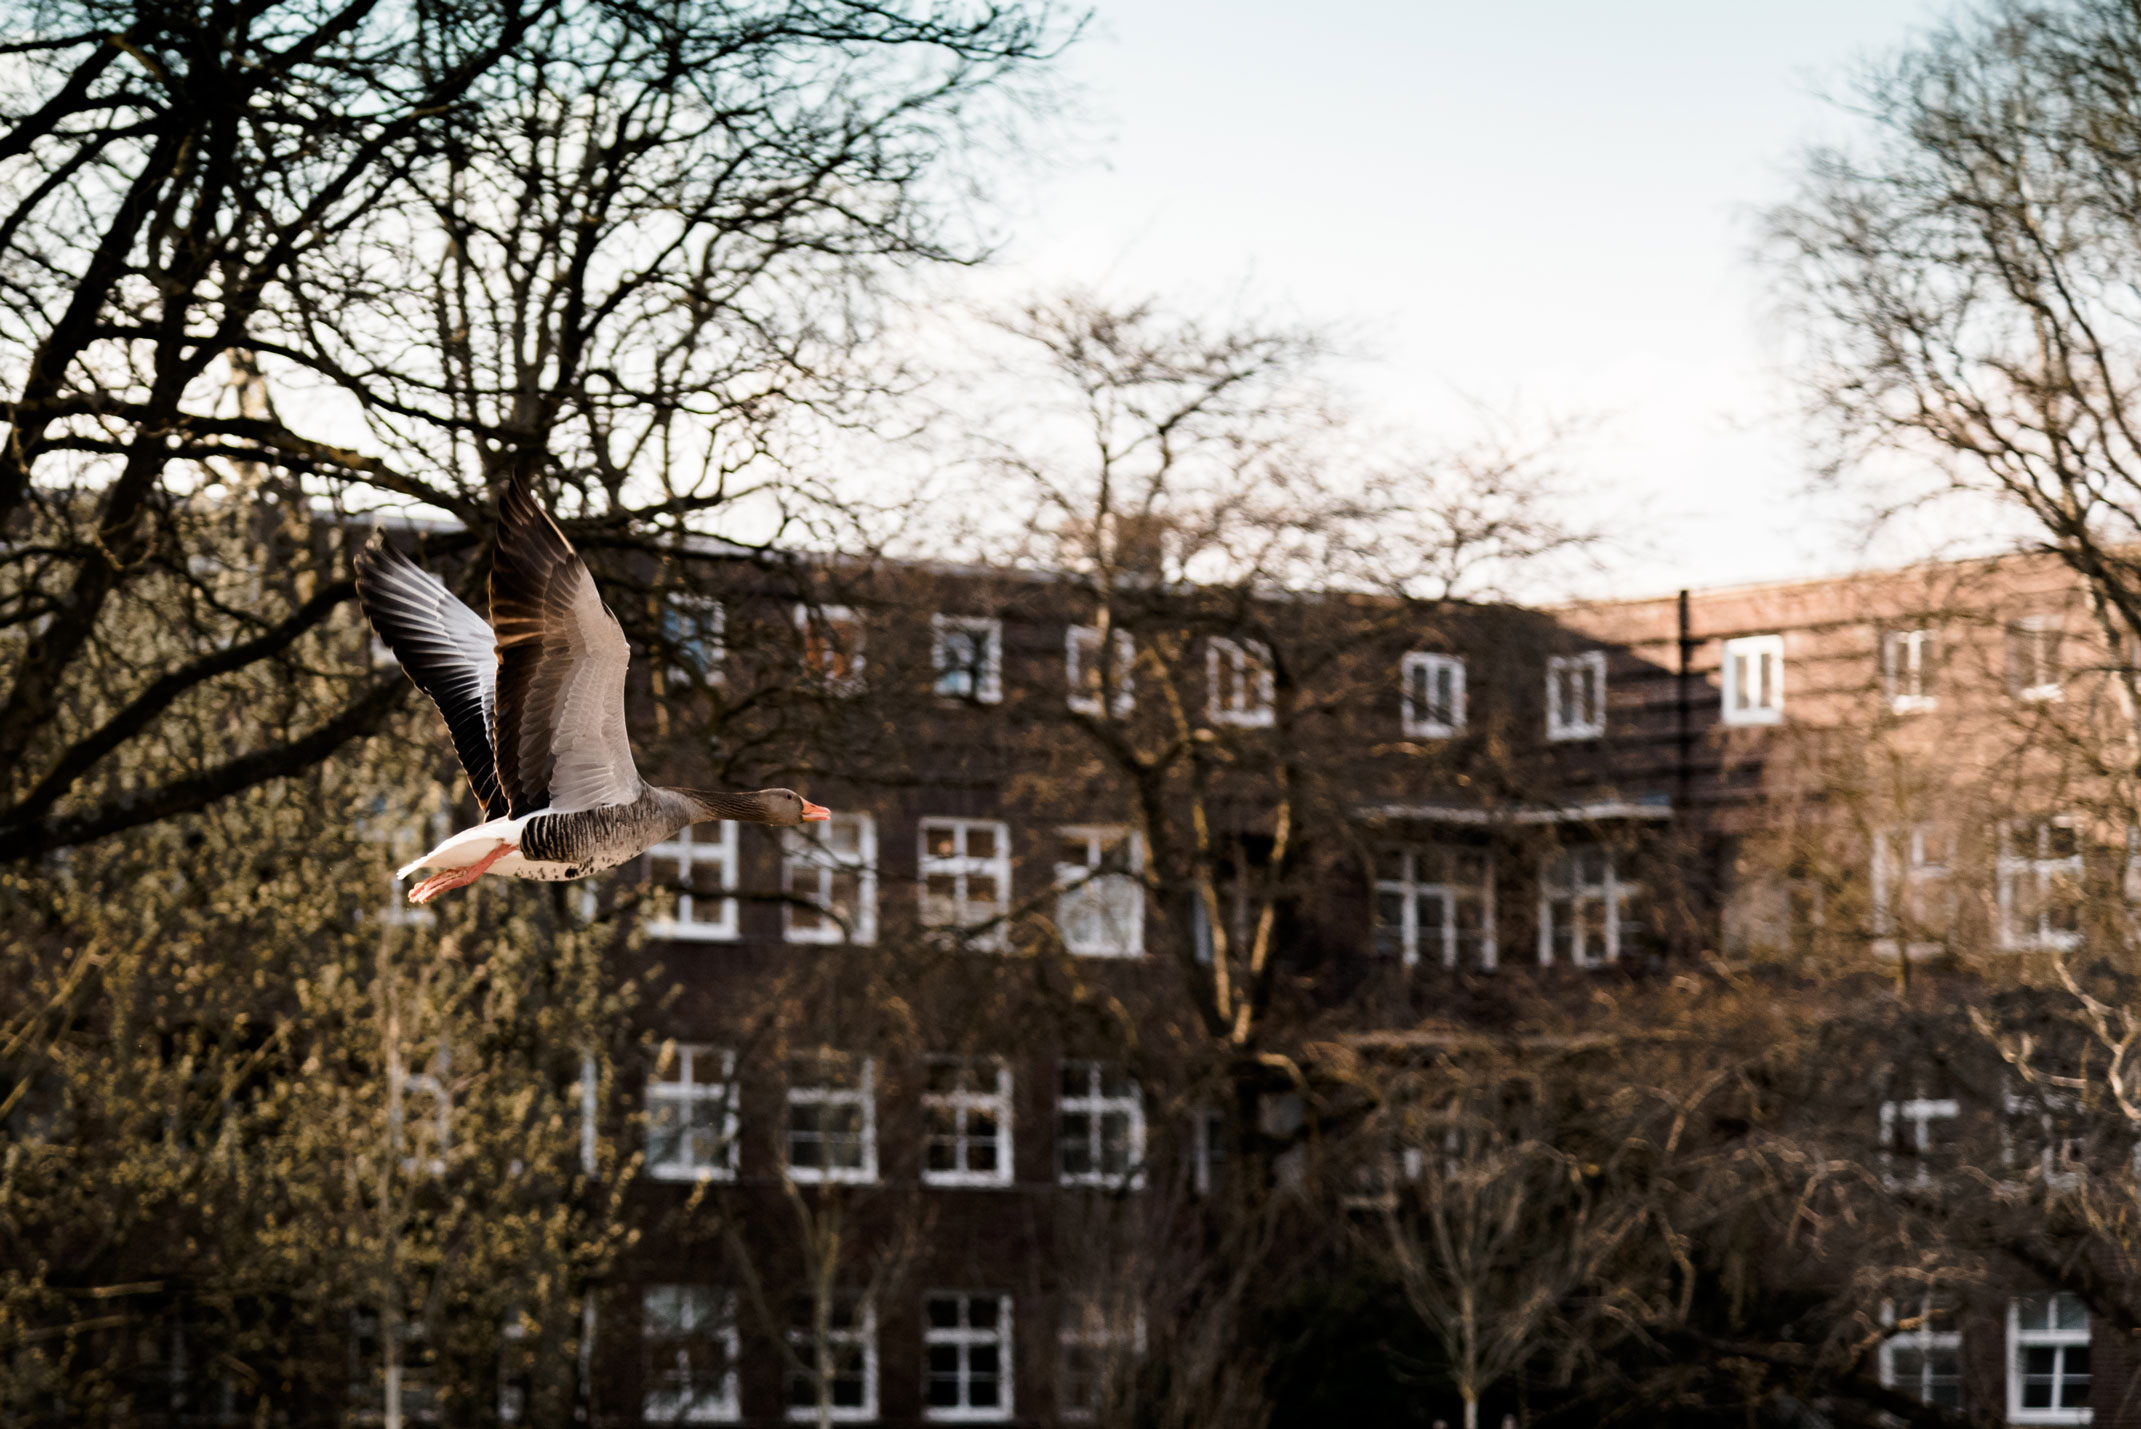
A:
1238	682
1911	890
411	1390
1435	904
1100	1127
695	638
965	868
1431	696
2039	884
968	652
1910	672
2033	657
1100	905
966	1353
420	1113
699	864
833	654
1208	1149
1586	912
1576	695
1916	1135
829	878
691	1114
590	1111
832	1118
966	1122
1754	679
515	1369
2048	1360
380	821
847	1366
1923	1357
2044	1125
1096	1348
1089	677
688	1334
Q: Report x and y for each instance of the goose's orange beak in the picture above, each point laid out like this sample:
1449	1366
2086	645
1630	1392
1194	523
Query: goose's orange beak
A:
815	813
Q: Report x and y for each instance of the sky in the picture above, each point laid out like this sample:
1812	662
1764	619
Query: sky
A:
1549	209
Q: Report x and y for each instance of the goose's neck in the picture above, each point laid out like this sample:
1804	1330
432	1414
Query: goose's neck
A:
699	805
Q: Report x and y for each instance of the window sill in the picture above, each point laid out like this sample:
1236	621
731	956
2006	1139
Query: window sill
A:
836	940
692	932
689	1175
2056	943
1133	1182
966	1180
726	1413
810	1176
1432	731
967	1416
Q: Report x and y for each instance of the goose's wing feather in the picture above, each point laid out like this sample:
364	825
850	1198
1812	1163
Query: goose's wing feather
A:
447	649
561	664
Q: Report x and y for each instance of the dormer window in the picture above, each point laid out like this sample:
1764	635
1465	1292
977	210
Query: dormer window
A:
1576	695
1754	680
832	637
969	655
1431	700
1088	676
1238	682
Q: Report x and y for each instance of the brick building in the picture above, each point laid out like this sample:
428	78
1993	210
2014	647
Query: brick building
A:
942	1059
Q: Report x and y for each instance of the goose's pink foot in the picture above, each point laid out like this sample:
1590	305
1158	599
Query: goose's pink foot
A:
454	878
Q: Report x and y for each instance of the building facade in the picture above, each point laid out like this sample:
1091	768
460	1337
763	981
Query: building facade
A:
936	1078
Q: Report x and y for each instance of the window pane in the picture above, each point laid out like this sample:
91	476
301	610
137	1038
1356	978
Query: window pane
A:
2074	1385
1390	924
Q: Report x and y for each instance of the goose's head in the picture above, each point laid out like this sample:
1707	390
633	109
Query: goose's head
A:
783	808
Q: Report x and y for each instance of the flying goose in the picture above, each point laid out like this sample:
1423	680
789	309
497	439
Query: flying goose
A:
536	711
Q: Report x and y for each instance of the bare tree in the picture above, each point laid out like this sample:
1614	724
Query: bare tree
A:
1964	280
280	256
1491	1212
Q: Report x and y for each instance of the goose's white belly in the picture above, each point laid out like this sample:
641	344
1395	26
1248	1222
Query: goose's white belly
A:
469	845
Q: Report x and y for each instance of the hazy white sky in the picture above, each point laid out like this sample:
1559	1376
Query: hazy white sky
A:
1547	206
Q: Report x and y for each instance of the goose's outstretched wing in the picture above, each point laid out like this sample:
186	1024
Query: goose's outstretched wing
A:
446	648
562	656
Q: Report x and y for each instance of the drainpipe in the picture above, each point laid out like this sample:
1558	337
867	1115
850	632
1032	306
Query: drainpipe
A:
1684	771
